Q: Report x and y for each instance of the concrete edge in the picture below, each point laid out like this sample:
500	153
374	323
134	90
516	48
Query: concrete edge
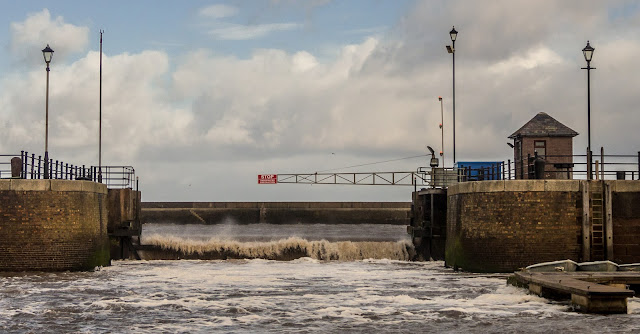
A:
517	186
52	185
624	186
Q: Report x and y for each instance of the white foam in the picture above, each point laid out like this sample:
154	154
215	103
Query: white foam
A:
319	250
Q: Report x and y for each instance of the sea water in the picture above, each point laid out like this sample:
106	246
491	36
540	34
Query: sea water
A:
299	296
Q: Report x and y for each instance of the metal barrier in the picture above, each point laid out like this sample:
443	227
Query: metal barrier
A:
33	168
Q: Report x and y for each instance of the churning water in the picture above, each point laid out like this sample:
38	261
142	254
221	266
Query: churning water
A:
303	295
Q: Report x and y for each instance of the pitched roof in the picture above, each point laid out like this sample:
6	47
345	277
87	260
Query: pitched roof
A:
543	125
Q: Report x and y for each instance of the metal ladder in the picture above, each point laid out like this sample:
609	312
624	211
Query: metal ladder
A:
597	222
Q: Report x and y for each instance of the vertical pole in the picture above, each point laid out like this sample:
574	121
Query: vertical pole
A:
608	222
638	166
589	111
589	166
509	166
442	131
453	46
100	122
601	163
431	229
46	130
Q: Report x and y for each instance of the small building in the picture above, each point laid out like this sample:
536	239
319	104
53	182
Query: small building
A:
550	140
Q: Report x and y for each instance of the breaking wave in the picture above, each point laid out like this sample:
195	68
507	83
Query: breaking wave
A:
283	249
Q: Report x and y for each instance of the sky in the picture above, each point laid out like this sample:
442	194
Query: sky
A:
202	96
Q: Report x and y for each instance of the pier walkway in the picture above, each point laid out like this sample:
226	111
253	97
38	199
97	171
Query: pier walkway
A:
591	292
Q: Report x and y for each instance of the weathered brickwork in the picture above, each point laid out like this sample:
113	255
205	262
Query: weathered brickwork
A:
45	230
626	227
506	230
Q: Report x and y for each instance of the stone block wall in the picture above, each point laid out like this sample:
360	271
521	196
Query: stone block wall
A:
500	226
276	212
626	221
52	225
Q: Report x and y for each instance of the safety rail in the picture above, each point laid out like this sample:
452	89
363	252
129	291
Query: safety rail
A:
32	167
602	167
358	178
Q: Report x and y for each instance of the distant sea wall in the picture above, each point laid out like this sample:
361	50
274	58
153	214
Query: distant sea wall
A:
396	213
52	225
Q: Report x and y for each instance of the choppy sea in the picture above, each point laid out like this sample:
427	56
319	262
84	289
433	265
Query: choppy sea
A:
306	295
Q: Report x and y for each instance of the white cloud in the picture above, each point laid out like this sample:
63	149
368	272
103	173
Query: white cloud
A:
218	11
216	120
30	36
243	32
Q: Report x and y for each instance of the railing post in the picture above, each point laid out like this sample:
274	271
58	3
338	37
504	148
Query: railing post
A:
509	166
638	166
589	167
601	162
33	159
23	165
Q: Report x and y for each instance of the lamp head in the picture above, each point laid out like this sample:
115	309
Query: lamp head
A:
588	52
47	52
454	34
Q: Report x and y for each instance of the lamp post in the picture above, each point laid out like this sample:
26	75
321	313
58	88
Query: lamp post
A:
47	53
588	54
452	50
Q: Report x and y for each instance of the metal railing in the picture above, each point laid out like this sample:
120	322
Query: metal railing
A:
602	167
32	167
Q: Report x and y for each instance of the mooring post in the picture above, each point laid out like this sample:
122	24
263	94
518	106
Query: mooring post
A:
608	221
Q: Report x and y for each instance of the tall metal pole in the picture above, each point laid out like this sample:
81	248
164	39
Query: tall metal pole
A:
46	131
442	129
588	54
100	121
453	46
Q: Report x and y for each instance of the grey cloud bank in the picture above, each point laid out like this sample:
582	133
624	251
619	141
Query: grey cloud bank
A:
202	125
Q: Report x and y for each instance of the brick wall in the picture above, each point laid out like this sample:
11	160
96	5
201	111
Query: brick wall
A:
500	226
626	227
554	146
52	225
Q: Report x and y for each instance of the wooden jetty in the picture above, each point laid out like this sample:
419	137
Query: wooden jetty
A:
591	292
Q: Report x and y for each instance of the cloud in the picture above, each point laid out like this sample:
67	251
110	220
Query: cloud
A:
39	29
218	11
215	120
244	32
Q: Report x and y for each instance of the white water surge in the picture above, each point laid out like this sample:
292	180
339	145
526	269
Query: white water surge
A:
272	250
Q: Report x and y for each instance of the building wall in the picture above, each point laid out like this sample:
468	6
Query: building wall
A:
500	226
554	146
52	225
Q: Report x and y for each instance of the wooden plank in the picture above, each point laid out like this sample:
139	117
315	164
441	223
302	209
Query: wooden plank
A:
569	284
608	222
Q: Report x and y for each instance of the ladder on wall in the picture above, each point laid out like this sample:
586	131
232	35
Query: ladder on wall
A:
596	200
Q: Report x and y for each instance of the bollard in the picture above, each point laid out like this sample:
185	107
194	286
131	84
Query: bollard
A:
16	167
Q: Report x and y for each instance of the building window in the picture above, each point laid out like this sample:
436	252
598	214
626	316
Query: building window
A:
540	146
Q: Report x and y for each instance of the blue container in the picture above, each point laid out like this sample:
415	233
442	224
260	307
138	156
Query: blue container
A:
480	170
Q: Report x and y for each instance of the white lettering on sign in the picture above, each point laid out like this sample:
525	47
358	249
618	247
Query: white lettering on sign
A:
267	179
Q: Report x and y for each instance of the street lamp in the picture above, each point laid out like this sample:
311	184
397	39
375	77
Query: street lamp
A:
47	53
452	50
588	54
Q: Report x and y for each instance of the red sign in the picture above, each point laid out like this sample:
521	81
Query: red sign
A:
268	179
